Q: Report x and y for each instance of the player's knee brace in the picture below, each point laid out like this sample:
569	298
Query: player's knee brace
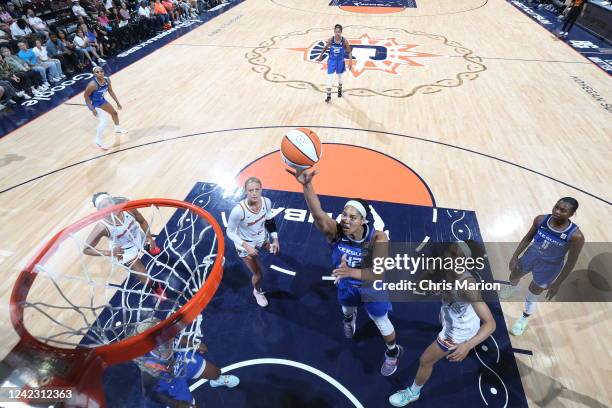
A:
383	323
531	302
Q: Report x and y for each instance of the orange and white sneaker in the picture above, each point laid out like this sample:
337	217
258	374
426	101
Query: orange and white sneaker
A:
260	298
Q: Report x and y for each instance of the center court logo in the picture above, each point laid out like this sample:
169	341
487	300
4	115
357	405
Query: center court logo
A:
390	62
371	54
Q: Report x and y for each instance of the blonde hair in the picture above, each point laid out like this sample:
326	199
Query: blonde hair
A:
252	179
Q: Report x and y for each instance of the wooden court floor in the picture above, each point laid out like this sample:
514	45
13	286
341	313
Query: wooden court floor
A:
496	124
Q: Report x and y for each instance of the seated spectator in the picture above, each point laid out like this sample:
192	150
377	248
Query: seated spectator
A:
20	29
114	17
162	14
104	21
56	49
53	65
124	12
37	24
71	47
21	82
186	10
5	34
108	4
80	40
29	58
172	12
8	93
78	10
22	70
149	20
92	39
5	16
15	13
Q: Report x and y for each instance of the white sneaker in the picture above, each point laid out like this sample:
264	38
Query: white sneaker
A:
23	95
62	76
46	86
120	130
2	106
101	61
229	381
260	298
101	145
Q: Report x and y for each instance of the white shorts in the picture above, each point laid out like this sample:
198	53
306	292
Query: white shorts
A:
130	254
257	245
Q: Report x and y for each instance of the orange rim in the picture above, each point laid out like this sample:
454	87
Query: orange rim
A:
137	345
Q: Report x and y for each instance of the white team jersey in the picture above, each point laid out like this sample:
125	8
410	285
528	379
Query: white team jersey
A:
245	225
459	320
125	234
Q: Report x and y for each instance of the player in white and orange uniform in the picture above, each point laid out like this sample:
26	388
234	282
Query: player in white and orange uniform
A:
128	234
251	227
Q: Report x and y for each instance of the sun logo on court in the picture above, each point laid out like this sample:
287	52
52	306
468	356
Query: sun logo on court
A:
370	54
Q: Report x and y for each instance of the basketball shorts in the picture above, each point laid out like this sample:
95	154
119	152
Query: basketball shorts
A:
447	341
374	303
96	103
130	254
265	244
336	66
178	388
543	272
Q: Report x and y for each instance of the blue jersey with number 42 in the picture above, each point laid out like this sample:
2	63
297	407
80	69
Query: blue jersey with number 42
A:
355	251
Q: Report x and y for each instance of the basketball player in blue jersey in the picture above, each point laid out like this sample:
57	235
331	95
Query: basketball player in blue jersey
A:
94	98
547	243
466	321
351	241
339	50
166	372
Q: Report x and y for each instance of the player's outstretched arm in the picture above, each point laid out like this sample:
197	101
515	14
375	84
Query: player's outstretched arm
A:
322	221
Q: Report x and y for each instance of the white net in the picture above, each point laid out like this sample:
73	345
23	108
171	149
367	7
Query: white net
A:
171	360
90	293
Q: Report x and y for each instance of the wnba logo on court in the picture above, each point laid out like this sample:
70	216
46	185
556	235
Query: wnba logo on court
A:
370	54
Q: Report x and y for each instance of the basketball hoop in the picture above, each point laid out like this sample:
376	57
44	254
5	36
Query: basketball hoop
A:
94	329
